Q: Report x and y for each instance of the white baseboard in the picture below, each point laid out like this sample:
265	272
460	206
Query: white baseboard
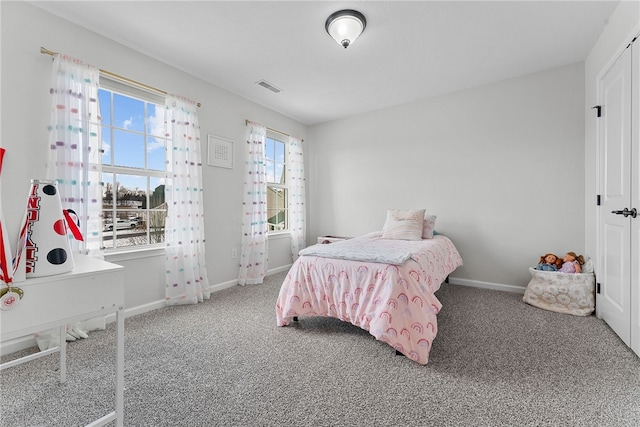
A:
22	343
224	285
486	285
279	269
18	344
27	342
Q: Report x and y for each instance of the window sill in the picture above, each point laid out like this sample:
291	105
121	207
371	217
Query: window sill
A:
279	235
134	253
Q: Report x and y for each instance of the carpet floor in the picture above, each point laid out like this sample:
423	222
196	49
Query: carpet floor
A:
495	362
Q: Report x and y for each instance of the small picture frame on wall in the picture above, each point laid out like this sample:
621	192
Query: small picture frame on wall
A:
219	152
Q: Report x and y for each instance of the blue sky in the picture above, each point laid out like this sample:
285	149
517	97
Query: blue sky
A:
274	151
126	146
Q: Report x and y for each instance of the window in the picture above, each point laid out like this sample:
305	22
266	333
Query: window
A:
277	191
133	166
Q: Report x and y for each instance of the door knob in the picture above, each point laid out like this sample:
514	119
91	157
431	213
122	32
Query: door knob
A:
626	212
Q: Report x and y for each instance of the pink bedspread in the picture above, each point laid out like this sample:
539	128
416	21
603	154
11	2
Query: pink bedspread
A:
395	303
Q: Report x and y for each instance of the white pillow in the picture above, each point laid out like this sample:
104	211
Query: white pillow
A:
428	226
403	224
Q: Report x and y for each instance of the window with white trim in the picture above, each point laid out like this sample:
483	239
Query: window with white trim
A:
133	166
277	190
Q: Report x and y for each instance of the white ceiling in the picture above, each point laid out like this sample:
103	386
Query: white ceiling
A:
409	51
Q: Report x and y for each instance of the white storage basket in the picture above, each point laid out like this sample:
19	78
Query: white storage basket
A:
568	293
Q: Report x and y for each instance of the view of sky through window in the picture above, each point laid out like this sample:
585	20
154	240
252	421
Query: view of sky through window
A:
126	146
133	141
274	154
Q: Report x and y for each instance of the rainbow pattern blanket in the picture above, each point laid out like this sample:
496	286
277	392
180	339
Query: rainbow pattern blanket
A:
395	303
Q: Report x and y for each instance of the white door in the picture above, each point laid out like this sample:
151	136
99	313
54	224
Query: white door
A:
614	257
635	198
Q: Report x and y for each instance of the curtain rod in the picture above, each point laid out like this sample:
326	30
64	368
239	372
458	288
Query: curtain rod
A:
116	76
247	121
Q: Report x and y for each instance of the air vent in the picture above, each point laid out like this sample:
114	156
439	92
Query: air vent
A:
269	86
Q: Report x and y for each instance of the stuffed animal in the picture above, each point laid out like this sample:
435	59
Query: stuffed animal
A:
572	263
548	262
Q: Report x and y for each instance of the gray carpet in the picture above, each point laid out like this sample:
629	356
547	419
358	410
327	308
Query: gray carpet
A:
495	362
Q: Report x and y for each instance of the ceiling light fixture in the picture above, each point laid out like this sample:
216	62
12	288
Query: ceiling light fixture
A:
345	26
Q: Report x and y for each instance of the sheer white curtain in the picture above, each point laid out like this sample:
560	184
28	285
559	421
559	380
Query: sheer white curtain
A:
74	147
297	207
186	273
74	161
253	257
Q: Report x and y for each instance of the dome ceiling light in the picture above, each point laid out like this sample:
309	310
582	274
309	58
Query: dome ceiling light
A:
345	26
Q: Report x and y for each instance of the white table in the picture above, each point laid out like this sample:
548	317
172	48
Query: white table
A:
94	288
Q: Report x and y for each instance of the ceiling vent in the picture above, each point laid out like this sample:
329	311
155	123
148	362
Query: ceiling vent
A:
269	86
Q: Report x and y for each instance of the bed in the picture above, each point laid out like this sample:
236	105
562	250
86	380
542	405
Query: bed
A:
384	286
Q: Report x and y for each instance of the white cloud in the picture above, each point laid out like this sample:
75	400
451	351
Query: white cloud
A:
106	148
156	122
155	144
156	128
127	123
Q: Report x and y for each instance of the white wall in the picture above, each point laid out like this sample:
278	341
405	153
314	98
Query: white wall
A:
25	114
501	165
622	27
